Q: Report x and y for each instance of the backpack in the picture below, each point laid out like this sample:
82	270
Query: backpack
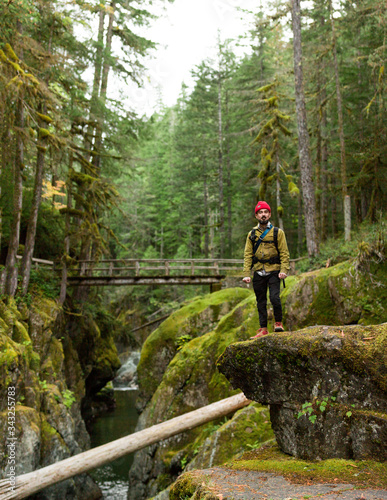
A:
256	243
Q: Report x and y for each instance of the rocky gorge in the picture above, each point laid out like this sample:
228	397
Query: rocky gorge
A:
318	390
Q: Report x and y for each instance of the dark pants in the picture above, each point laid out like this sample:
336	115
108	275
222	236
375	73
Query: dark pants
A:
260	284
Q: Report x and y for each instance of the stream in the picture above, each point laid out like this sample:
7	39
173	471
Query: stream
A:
112	478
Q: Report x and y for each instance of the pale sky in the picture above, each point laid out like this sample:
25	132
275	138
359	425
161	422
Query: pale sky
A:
187	34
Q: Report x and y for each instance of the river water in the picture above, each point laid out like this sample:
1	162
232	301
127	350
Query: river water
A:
113	478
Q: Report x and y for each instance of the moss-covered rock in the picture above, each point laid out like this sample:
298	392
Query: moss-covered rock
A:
248	428
190	382
35	356
339	295
338	374
193	320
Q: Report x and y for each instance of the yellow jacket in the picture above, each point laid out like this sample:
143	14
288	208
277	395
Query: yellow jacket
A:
266	251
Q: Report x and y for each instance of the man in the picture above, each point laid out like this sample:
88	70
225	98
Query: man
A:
270	264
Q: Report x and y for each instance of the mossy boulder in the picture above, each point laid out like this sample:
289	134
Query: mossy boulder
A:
248	428
326	386
339	295
191	381
196	318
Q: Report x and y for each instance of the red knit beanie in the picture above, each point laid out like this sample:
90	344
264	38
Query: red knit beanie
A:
261	205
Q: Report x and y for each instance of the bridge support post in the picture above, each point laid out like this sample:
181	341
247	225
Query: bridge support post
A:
215	287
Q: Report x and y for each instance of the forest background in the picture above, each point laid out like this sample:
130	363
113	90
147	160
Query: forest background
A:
299	121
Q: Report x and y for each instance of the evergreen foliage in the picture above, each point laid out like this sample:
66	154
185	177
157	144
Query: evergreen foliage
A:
183	183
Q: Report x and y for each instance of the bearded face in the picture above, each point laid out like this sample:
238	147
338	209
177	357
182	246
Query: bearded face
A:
263	216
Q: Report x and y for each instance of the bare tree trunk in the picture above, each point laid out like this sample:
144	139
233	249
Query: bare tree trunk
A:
96	159
324	172
344	188
220	167
300	235
212	235
63	285
205	202
303	136
229	190
333	204
278	193
96	82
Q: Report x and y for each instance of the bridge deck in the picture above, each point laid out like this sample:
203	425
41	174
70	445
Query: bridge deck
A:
143	280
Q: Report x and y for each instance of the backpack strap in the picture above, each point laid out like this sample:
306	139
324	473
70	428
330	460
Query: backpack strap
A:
275	238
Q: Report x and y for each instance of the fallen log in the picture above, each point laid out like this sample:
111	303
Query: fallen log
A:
32	482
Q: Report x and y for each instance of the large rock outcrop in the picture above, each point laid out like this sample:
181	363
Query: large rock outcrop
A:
326	387
46	369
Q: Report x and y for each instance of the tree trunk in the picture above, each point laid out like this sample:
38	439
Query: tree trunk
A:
303	136
333	204
300	235
33	220
220	168
344	188
212	235
63	285
205	202
324	172
96	159
96	83
278	193
229	187
9	276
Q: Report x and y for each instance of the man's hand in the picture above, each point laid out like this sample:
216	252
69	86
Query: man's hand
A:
282	276
247	279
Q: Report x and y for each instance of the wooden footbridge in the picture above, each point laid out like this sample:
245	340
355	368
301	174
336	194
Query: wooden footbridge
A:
32	482
117	272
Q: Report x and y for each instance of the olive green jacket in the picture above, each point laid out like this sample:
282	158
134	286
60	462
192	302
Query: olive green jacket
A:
265	251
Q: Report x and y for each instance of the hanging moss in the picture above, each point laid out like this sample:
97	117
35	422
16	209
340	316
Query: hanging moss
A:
10	52
266	88
44	118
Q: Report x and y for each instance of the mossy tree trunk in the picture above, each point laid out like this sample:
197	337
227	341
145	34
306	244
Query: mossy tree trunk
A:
10	273
36	199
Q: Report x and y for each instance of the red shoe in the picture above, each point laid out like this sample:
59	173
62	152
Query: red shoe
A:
278	327
260	333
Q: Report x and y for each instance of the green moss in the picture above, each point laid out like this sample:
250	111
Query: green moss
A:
364	473
336	295
194	319
20	333
191	485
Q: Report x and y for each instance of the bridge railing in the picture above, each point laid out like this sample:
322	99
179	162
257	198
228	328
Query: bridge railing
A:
164	267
